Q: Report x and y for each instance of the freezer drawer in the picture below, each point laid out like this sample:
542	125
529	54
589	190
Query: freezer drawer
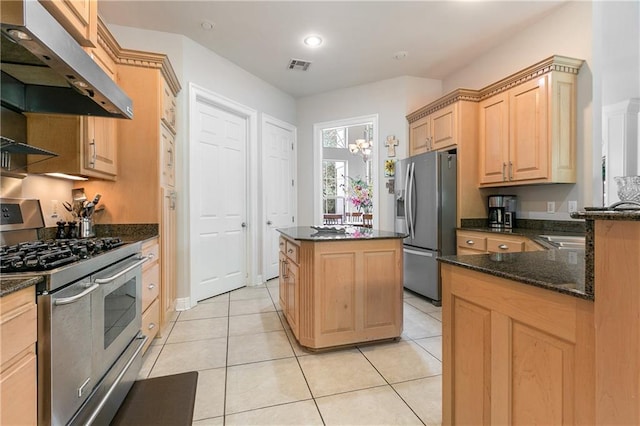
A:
421	273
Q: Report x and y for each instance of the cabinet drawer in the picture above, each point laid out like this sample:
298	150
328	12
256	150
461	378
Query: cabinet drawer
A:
292	251
497	245
151	322
18	323
150	285
473	242
282	245
150	249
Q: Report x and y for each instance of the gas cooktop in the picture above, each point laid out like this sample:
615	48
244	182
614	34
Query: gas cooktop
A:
47	255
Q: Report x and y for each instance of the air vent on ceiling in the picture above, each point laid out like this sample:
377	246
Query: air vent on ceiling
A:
299	64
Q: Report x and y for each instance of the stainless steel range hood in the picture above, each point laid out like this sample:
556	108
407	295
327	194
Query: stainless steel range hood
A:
45	70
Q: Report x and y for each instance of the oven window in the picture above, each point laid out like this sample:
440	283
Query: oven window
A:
119	311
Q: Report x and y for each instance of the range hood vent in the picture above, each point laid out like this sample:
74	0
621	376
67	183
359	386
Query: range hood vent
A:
44	70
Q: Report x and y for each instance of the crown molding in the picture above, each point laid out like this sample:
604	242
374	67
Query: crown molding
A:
555	63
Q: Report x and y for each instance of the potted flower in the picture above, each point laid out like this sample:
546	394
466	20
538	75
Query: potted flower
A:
360	194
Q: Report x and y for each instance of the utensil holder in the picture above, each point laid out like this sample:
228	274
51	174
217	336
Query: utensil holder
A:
86	227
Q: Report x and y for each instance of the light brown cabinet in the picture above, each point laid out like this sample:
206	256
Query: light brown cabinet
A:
527	132
78	17
451	122
145	190
341	292
434	132
86	146
514	354
18	335
150	290
476	242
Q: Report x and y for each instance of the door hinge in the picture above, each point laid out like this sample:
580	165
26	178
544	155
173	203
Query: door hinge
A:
293	182
291	146
293	219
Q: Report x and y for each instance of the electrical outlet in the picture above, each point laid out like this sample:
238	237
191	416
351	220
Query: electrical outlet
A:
551	207
573	206
54	208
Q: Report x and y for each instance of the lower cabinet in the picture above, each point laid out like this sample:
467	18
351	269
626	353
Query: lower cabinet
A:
151	290
514	354
476	242
337	293
18	335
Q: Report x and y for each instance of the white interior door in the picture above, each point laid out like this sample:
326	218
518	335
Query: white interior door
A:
218	201
278	184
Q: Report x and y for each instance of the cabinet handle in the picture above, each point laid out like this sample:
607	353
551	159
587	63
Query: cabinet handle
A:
503	247
170	163
151	256
284	269
290	251
151	326
504	172
510	170
94	154
470	242
151	286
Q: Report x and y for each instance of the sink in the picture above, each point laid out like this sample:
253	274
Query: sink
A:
567	242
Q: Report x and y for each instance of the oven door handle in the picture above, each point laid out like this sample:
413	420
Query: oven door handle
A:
121	273
67	300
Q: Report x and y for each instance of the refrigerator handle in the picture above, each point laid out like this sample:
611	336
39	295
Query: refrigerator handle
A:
407	198
411	179
418	253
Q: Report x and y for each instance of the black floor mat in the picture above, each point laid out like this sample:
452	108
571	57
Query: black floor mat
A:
166	400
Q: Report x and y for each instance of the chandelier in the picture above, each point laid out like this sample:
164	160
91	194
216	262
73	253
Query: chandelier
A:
362	147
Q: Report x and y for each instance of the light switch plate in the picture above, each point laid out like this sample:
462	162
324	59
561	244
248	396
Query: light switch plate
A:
573	206
551	207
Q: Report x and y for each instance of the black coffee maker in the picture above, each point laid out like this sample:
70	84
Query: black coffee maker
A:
502	211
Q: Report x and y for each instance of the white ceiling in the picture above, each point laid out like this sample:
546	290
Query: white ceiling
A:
360	37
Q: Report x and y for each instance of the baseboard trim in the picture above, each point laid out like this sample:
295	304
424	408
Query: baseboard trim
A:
183	304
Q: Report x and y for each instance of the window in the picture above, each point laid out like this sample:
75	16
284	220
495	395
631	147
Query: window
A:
333	180
334	138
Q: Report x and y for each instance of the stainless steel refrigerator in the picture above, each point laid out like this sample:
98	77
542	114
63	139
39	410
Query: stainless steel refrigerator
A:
426	210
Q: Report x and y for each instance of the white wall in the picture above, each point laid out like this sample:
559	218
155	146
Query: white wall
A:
194	63
391	99
566	32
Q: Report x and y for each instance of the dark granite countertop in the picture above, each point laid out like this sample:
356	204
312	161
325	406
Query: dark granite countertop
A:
10	285
562	271
630	215
306	233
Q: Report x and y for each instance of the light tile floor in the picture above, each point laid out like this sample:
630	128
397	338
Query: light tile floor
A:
253	372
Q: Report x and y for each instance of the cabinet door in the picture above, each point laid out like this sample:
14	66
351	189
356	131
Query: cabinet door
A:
78	17
494	138
282	289
419	133
528	139
443	128
168	106
168	157
100	145
291	279
168	262
18	394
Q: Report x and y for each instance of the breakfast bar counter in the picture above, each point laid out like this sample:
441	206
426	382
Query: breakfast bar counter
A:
341	288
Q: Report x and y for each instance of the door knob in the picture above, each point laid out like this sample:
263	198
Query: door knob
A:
269	222
244	225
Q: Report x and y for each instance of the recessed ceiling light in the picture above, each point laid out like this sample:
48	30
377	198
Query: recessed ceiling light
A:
206	25
400	55
313	41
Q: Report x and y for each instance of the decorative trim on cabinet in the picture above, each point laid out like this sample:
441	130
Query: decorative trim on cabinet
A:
158	61
553	63
107	41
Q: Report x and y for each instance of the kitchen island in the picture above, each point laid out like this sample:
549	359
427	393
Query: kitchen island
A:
341	288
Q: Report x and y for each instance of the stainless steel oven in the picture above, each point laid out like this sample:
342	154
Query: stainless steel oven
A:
89	318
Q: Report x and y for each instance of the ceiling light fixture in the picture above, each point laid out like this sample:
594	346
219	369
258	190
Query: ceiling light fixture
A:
313	41
207	26
362	147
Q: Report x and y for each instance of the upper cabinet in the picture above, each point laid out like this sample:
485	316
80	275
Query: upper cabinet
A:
433	128
85	145
78	17
527	126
